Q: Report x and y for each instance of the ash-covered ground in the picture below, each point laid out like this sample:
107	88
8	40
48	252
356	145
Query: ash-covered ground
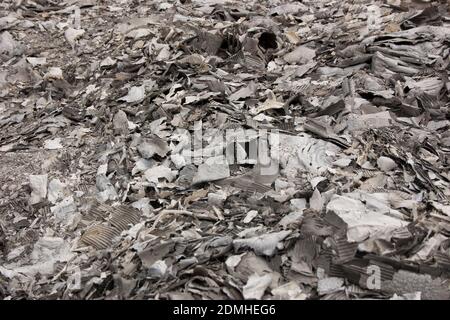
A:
239	149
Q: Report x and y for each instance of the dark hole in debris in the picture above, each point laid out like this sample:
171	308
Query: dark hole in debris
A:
155	204
268	40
